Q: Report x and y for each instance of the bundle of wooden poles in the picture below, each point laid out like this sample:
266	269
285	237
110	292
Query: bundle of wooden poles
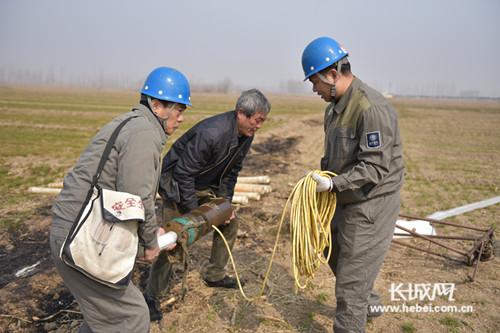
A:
246	188
251	188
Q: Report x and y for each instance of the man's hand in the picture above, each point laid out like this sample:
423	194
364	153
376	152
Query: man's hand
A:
233	216
162	231
152	253
323	184
170	247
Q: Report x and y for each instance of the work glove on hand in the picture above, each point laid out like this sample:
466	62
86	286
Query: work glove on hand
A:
323	184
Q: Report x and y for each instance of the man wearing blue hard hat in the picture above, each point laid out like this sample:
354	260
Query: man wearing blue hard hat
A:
363	148
133	165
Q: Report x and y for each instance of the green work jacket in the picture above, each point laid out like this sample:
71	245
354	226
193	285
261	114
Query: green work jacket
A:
362	145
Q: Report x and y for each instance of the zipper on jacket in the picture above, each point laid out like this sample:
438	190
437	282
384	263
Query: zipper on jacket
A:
222	160
230	161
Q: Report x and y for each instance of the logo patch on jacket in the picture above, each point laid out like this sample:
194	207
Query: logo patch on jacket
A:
373	139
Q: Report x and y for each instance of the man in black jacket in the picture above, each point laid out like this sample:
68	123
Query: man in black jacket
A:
203	164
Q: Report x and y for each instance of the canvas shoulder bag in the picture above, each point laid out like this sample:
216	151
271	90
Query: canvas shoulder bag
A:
103	240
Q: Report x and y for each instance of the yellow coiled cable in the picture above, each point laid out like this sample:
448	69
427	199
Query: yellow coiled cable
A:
310	218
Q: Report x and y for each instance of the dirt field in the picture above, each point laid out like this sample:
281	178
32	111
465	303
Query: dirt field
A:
452	153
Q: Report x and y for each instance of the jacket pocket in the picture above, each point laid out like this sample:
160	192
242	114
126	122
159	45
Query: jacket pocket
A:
366	211
378	207
358	213
345	143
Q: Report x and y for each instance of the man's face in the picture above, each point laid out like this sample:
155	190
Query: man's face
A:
321	88
247	126
172	115
175	118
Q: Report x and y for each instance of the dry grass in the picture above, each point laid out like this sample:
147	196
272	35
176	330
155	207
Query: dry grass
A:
451	150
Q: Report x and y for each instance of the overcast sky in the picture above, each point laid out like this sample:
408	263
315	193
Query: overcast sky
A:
401	46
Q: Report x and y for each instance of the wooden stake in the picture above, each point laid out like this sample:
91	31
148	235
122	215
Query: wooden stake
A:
254	180
240	200
250	195
252	188
44	190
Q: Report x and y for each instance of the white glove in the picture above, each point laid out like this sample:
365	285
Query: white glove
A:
323	184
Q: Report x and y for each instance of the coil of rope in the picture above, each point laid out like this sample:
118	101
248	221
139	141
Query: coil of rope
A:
311	214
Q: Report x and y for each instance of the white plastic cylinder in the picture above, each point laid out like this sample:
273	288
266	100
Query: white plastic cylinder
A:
167	239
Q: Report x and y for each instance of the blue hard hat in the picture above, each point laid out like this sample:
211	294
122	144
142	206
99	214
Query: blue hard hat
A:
320	54
167	84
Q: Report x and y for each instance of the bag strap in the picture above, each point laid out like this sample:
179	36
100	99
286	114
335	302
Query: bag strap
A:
104	157
107	150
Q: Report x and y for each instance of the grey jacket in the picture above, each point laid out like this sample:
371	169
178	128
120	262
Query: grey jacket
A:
133	166
362	145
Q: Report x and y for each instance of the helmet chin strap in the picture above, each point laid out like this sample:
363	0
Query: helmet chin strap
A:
333	92
333	89
163	121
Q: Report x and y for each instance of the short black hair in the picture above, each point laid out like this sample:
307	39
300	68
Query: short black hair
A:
166	104
345	68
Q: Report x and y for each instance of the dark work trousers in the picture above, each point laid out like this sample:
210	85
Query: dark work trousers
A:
362	234
104	309
161	270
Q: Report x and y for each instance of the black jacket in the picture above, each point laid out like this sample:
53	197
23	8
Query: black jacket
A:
208	156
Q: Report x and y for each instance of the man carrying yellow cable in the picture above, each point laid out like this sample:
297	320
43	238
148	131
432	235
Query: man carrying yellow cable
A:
363	148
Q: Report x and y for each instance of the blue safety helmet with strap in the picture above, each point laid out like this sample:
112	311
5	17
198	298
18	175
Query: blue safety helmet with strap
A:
167	84
320	54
